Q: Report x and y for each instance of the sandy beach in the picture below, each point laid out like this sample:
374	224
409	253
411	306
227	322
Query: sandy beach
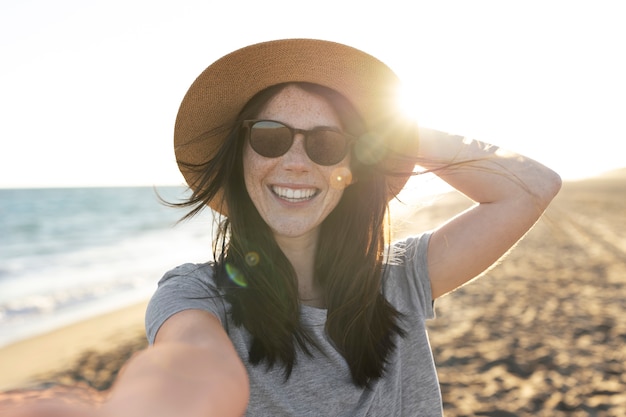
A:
32	361
541	334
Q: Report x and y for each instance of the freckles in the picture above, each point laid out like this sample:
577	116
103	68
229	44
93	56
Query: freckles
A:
254	165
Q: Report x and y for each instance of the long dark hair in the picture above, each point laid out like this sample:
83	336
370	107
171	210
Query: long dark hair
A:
260	283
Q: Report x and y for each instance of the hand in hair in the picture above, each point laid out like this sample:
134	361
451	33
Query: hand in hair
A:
511	192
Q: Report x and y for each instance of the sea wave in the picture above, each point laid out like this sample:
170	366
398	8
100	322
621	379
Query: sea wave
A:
100	266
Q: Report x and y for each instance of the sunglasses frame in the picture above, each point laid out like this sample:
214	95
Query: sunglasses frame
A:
248	125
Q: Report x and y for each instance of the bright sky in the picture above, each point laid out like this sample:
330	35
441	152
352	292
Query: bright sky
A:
89	89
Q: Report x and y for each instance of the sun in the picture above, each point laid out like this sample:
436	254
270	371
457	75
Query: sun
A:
407	102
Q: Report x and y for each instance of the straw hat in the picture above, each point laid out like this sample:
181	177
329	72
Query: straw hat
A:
219	93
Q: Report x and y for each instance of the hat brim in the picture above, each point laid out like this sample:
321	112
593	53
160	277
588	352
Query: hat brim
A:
219	93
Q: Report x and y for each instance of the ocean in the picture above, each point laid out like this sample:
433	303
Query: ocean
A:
67	254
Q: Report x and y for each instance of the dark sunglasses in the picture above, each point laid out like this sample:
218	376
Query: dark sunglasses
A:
323	145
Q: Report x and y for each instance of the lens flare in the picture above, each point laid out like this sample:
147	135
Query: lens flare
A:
340	178
236	276
252	258
370	149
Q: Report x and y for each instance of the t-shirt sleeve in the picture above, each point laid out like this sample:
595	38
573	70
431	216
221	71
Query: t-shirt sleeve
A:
408	284
189	286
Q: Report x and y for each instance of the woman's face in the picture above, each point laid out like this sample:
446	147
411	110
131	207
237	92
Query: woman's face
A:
292	193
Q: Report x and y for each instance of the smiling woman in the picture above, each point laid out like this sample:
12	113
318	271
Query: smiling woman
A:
309	309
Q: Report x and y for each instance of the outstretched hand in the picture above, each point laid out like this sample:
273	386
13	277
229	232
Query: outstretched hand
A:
59	401
47	409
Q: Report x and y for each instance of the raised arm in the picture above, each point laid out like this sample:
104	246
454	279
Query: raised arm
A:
191	371
511	192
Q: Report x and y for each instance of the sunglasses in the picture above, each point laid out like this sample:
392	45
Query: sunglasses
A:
323	145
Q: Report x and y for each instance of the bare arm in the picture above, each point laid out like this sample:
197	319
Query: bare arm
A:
192	370
511	192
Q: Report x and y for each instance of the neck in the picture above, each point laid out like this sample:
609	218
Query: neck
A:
300	251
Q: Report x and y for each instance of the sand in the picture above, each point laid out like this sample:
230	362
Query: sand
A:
30	361
541	334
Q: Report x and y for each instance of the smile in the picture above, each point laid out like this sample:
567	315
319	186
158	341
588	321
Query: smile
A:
294	195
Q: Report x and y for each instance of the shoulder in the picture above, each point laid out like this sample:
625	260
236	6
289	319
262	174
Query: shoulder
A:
410	250
186	287
406	282
190	269
189	285
190	273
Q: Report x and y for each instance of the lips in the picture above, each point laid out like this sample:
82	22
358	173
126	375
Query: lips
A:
294	195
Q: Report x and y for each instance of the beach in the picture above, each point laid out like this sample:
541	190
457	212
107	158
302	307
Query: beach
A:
34	360
540	334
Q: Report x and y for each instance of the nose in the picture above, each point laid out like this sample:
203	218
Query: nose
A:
296	158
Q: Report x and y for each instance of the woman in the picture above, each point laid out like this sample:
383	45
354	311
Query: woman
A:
307	310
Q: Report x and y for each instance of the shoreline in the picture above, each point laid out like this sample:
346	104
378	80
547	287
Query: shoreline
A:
24	361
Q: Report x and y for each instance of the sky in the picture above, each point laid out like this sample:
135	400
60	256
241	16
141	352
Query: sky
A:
89	89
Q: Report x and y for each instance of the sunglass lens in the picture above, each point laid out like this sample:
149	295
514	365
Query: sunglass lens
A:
326	147
270	139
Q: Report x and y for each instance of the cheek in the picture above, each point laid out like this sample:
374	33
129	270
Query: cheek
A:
339	176
338	179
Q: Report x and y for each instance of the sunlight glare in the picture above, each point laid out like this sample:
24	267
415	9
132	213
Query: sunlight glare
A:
408	104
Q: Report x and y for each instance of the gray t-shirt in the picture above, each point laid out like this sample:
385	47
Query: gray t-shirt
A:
321	385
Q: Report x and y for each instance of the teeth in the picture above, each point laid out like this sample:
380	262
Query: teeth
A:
299	194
